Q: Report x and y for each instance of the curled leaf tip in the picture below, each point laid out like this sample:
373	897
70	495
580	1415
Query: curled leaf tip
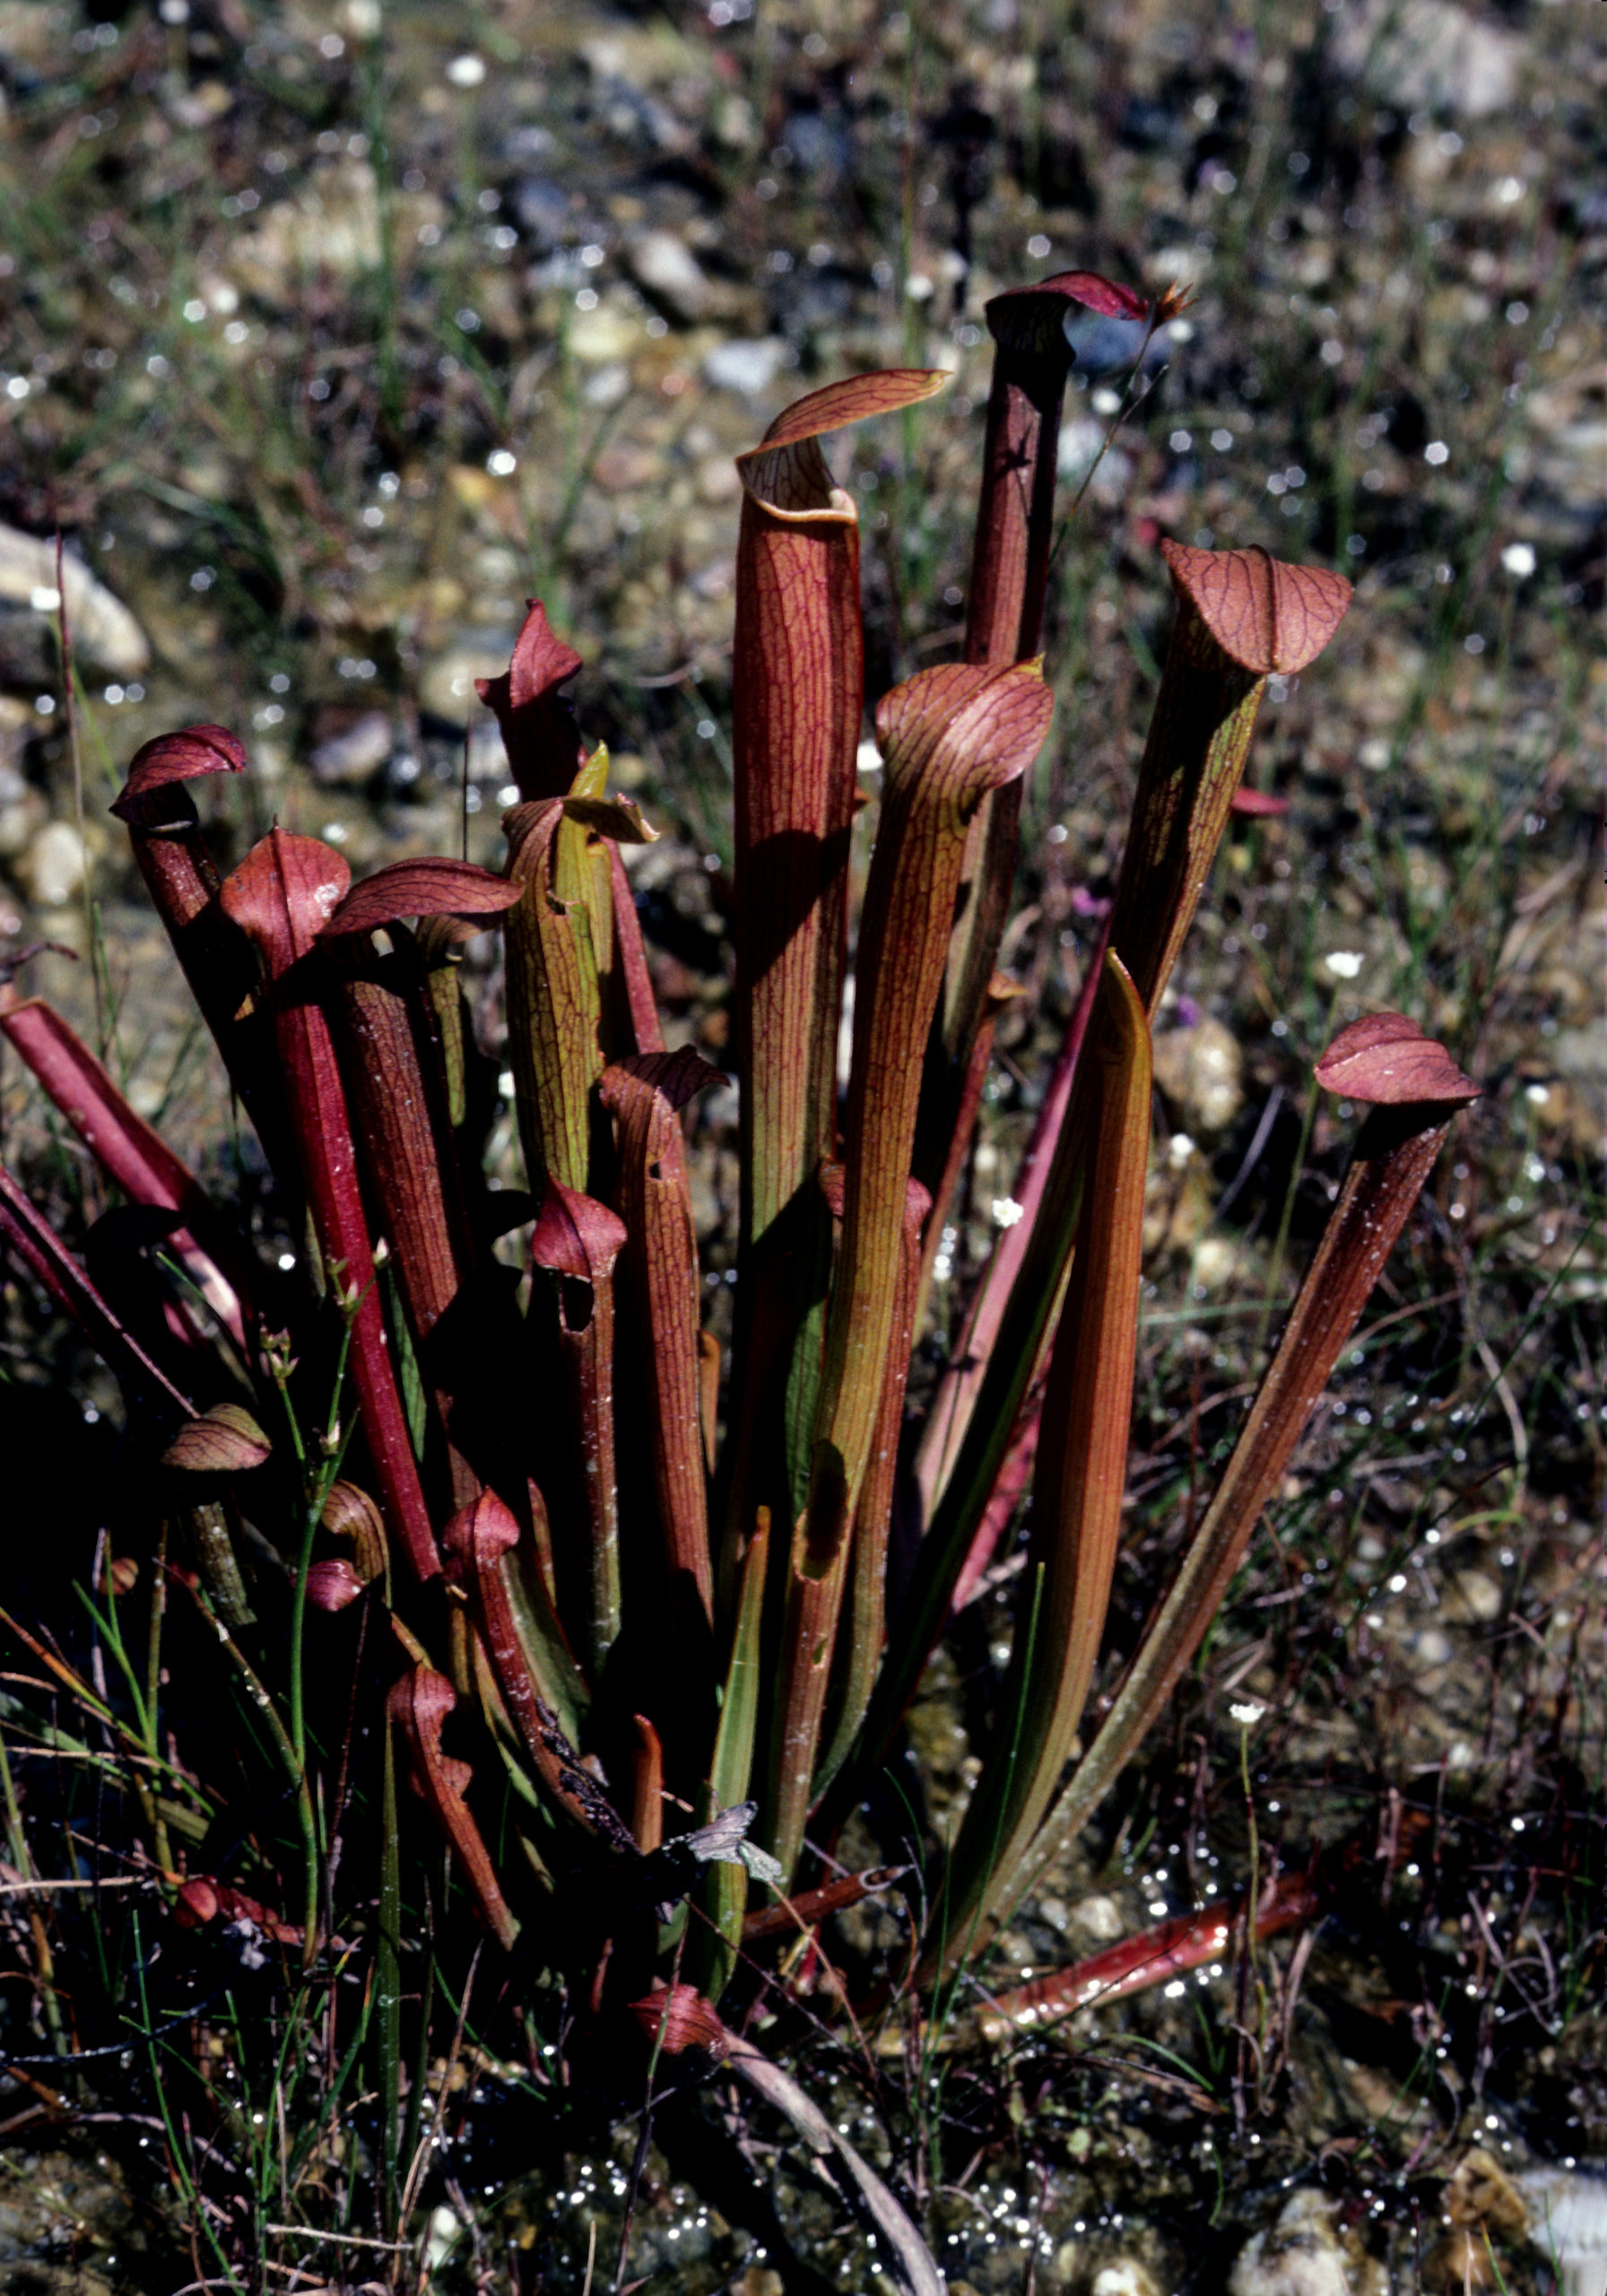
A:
434	887
181	756
224	1440
1386	1059
677	2017
853	400
574	1235
285	892
1265	615
1109	297
620	818
485	1528
538	725
333	1584
675	1076
991	718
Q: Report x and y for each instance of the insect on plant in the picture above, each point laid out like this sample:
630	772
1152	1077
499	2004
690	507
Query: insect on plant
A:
601	1575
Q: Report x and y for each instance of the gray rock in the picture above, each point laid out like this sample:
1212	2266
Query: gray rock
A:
1568	2219
102	629
1430	54
667	269
1200	1071
447	682
543	209
51	870
1080	440
1303	2255
745	366
348	758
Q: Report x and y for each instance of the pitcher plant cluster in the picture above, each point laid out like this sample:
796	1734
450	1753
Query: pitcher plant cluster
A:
649	1621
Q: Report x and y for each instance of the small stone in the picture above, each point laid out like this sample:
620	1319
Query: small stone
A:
22	814
103	630
1125	2278
1568	2222
52	868
331	224
1301	2255
600	336
349	755
1100	1918
1481	2192
1474	1597
746	365
1462	2262
447	682
667	269
1428	55
1200	1071
608	386
1080	440
718	480
542	208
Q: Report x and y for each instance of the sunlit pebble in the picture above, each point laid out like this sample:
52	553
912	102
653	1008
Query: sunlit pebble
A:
466	71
